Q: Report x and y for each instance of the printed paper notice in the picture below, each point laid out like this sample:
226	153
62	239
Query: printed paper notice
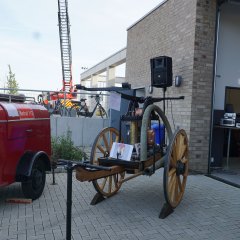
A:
121	151
115	101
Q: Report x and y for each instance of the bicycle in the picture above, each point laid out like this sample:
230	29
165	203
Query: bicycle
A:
62	107
83	110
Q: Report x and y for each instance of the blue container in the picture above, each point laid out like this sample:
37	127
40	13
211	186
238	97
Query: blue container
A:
159	132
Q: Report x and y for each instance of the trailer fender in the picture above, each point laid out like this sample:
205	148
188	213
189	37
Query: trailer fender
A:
26	162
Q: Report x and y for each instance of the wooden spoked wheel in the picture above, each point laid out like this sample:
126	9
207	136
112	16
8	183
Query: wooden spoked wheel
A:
106	186
176	168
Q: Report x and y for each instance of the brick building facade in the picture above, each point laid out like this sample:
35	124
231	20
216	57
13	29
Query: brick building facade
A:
185	31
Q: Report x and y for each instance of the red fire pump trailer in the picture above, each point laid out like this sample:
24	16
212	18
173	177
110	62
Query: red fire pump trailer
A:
25	144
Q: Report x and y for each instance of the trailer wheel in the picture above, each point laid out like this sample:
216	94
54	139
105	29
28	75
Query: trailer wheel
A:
34	187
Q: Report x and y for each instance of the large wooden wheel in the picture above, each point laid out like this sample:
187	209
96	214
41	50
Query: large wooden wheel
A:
106	186
176	168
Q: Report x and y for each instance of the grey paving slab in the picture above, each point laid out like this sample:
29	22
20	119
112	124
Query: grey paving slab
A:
209	210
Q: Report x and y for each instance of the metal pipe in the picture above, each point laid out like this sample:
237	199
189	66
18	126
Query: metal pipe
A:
145	124
133	132
158	164
50	91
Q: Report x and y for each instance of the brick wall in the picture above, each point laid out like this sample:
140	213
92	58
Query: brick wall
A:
202	82
183	30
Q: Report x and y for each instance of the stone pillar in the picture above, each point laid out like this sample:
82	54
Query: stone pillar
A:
94	80
110	74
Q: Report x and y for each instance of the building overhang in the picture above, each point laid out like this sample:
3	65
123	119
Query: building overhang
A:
114	60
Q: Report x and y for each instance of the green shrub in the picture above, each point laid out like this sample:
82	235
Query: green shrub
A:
63	148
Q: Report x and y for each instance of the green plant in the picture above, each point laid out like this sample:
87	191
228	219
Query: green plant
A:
12	82
63	148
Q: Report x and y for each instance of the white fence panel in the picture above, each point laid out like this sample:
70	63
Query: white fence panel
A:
83	130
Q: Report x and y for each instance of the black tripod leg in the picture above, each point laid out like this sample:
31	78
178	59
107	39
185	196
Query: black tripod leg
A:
69	202
165	211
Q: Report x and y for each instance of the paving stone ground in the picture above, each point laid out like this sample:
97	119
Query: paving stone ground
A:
209	210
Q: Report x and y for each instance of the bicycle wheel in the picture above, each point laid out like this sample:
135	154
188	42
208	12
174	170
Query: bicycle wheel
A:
61	111
73	111
67	113
103	112
83	111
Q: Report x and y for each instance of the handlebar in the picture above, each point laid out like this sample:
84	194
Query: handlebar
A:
125	86
74	164
95	96
167	98
143	99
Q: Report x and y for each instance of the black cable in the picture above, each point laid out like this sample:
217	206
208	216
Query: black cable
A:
172	116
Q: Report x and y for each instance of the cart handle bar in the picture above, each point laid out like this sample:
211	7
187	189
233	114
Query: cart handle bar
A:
75	164
143	99
126	96
125	86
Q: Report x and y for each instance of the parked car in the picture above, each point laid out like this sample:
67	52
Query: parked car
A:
25	144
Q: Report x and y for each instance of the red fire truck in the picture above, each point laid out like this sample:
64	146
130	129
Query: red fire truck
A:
25	144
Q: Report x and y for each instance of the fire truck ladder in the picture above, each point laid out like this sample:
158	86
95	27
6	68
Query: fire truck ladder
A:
65	44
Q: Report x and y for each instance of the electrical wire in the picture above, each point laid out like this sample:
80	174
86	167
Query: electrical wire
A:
172	116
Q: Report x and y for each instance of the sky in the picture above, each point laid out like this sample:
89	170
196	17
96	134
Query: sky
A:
29	37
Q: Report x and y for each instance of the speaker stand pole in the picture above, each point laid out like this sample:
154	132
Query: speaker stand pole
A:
164	111
164	95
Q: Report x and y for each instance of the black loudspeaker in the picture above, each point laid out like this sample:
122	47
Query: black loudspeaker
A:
161	72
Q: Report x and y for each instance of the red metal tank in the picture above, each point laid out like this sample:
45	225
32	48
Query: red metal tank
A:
25	146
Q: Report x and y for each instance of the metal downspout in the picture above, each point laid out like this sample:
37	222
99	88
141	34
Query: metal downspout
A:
214	83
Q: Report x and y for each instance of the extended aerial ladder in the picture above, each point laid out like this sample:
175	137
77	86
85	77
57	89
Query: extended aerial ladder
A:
66	53
65	44
67	91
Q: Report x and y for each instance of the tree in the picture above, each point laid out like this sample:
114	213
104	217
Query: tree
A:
11	82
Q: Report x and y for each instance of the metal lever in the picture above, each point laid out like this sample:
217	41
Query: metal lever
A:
76	164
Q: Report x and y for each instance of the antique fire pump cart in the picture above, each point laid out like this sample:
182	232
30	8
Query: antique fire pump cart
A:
109	173
168	150
25	144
